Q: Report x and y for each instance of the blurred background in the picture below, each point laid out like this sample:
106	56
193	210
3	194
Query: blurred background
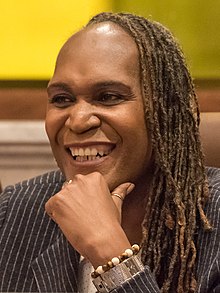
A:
31	34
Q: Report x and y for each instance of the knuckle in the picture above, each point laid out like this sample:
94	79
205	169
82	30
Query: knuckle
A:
95	176
55	202
79	176
47	206
58	198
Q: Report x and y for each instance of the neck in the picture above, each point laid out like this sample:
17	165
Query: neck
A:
133	210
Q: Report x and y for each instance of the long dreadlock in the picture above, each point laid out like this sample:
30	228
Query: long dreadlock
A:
174	209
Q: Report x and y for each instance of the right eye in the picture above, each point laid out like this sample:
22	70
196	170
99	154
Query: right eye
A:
61	101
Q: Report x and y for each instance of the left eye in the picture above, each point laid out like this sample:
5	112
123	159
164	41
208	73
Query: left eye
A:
61	101
110	99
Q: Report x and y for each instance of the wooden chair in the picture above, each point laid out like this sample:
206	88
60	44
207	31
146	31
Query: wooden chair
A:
210	135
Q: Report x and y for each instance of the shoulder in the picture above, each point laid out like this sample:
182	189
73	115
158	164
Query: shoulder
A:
208	242
37	184
29	195
213	175
212	211
213	205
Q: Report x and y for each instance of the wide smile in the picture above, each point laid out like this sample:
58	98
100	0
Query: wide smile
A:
90	153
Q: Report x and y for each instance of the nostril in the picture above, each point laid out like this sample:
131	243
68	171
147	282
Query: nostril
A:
83	123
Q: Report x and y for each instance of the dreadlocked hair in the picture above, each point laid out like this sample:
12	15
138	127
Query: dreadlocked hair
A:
179	190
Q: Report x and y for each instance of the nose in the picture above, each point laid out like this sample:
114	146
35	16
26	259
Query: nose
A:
82	117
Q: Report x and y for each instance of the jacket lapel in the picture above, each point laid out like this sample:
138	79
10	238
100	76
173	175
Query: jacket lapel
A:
55	270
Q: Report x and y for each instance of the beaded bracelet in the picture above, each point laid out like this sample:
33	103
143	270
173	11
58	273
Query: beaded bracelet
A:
115	261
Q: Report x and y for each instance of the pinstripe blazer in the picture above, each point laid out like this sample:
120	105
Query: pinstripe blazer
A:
36	257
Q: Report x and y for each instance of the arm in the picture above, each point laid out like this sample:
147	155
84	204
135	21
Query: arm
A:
4	198
90	219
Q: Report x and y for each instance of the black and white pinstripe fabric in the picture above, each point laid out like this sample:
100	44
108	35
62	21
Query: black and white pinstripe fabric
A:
35	256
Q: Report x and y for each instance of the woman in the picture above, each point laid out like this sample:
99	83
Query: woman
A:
122	120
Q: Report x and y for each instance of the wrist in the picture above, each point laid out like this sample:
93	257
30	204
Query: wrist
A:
104	249
119	274
129	252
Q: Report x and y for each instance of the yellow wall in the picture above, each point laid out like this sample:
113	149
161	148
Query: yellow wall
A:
32	32
195	23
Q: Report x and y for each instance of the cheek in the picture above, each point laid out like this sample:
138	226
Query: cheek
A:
139	154
136	138
134	126
53	124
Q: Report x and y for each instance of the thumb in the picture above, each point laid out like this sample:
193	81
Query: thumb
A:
120	192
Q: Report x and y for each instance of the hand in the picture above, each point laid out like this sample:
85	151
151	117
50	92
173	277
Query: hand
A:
90	217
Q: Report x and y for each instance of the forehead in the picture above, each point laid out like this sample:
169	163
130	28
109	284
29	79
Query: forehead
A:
101	44
105	34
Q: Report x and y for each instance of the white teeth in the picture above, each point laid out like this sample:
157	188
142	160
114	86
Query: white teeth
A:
85	154
81	152
85	158
94	152
74	152
101	153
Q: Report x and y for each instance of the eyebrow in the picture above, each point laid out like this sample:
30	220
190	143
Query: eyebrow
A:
98	85
59	85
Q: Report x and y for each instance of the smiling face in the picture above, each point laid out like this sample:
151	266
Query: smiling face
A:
95	117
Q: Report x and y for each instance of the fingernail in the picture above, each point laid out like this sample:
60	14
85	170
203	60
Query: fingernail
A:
130	188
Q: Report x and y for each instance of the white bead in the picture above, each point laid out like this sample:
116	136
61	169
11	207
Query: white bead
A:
115	261
129	252
99	270
135	246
